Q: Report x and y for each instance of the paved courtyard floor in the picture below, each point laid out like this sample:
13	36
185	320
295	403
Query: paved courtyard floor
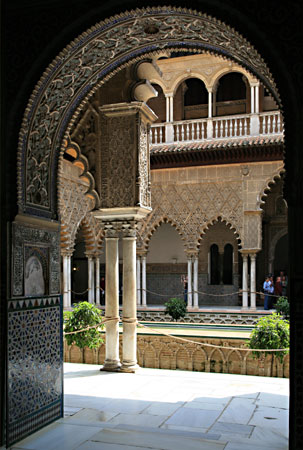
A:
164	409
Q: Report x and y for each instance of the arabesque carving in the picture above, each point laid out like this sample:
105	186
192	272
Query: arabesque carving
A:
192	207
86	63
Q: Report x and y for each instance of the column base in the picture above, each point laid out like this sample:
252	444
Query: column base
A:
111	366
129	368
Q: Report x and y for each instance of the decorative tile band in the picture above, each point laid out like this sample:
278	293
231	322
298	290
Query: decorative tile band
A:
22	428
34	365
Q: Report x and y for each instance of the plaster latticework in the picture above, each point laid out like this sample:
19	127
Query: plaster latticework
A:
75	209
191	208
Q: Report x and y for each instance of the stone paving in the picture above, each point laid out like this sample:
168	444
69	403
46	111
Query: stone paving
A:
163	409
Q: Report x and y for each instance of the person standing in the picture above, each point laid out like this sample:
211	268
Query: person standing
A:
268	288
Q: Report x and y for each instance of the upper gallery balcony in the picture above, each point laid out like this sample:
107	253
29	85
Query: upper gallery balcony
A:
233	127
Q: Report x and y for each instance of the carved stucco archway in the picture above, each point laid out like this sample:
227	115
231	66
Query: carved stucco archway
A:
261	198
88	62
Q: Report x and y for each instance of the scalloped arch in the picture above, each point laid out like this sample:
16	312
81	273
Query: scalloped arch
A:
222	219
266	186
91	59
149	233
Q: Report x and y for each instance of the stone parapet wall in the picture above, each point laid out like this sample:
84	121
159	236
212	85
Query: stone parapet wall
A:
161	352
211	317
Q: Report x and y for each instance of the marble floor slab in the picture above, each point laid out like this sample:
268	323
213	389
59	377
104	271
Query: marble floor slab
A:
167	410
239	411
195	418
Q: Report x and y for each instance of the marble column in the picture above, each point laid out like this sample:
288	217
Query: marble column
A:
196	295
97	263
91	283
69	279
129	361
245	281
189	283
138	280
252	99
171	108
112	360
257	99
210	106
167	108
66	284
253	257
144	281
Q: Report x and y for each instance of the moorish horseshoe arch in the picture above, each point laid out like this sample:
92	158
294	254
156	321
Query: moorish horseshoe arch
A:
60	95
91	59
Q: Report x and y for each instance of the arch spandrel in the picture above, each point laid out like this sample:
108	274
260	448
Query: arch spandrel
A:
87	62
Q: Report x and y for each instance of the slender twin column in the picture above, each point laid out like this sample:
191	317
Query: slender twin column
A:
67	302
91	279
129	359
97	261
141	280
254	99
245	288
112	360
192	281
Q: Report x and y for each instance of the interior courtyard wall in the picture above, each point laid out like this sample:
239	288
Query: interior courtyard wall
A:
218	234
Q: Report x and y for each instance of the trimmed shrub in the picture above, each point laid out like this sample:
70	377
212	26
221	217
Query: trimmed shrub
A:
282	306
176	308
270	332
83	315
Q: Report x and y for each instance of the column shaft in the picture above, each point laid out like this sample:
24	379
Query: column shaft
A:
210	106
97	280
252	99
129	362
257	99
253	281
167	108
189	283
65	282
91	296
144	281
69	280
171	108
112	360
138	280
245	283
196	295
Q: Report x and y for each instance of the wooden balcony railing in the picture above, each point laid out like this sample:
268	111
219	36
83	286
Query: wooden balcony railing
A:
225	127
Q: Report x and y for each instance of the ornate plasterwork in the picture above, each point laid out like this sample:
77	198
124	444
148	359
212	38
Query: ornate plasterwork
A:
191	208
75	212
91	59
28	241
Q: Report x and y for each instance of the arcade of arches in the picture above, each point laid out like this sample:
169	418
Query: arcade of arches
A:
208	202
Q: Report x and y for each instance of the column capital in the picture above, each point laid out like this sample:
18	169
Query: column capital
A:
129	229
112	229
67	252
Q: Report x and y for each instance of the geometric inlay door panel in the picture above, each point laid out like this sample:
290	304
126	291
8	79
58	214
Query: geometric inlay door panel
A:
34	365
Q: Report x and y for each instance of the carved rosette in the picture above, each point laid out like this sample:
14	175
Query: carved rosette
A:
85	64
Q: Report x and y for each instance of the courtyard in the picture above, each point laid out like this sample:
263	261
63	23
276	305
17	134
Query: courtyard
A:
165	409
